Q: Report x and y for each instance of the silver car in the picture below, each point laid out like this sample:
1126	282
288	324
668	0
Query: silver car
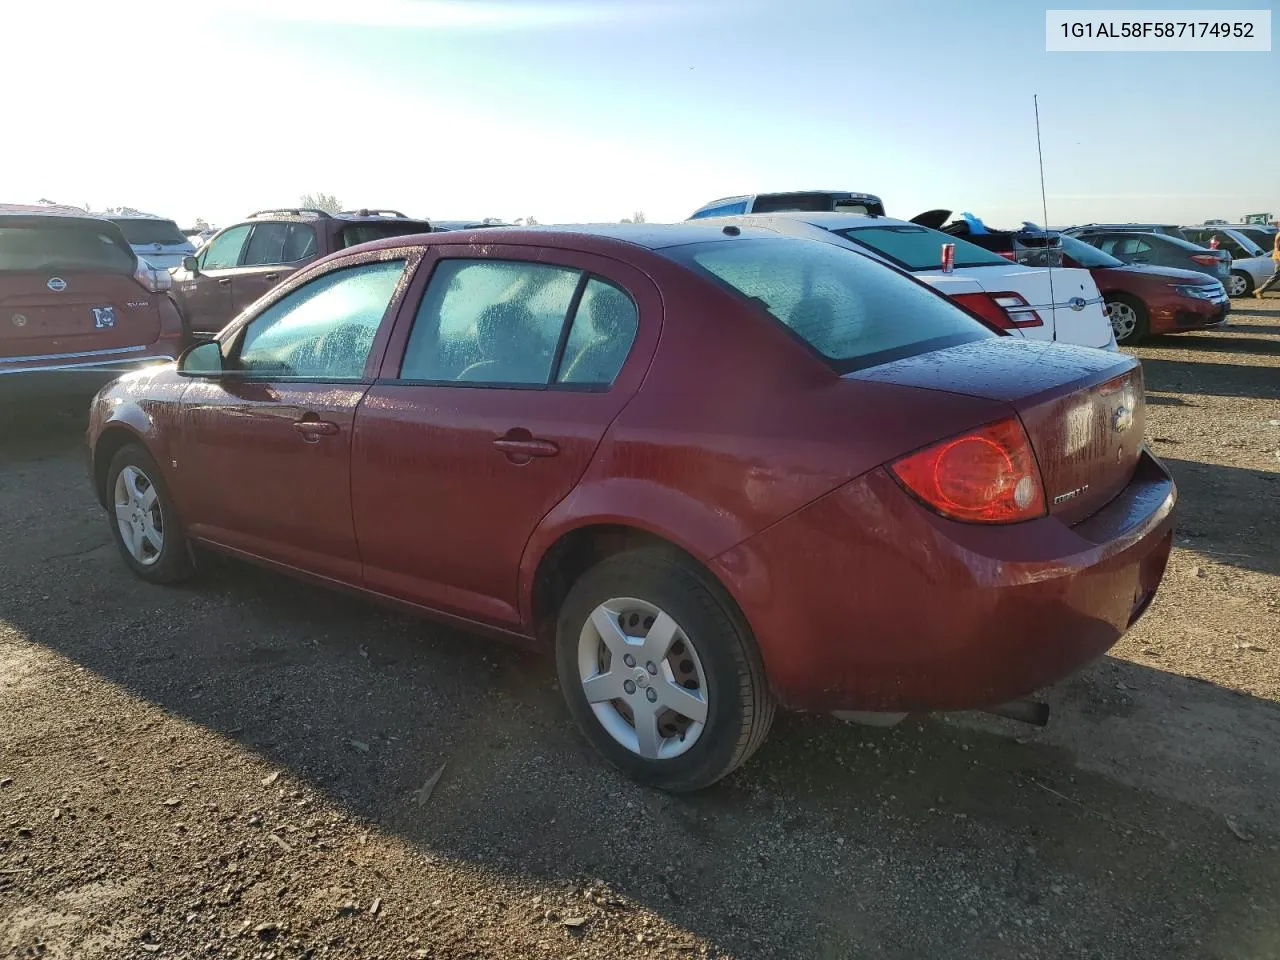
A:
1251	265
154	239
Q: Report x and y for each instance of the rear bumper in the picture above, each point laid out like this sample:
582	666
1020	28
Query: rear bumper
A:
71	374
867	601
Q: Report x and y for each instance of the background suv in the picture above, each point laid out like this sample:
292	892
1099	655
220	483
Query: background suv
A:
809	201
245	260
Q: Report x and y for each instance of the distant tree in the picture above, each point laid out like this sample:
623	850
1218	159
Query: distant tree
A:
530	221
638	217
320	201
626	220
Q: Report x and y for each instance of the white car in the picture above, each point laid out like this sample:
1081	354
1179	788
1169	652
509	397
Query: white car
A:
1251	265
1036	303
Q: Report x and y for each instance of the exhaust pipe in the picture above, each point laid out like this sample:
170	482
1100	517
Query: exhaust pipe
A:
1029	711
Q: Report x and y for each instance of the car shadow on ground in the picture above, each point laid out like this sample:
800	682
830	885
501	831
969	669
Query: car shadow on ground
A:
851	835
1211	379
1231	521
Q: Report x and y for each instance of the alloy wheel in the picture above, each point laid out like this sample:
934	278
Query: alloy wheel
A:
642	678
1237	285
1124	320
138	515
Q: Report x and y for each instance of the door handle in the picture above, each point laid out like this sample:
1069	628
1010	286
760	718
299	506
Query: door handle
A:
520	446
313	430
224	282
272	277
527	448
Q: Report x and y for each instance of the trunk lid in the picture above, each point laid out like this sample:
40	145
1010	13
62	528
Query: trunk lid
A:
1065	298
90	311
1083	410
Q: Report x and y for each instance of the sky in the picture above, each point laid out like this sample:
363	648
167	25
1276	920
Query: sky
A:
586	112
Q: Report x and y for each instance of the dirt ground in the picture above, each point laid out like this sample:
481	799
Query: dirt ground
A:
247	766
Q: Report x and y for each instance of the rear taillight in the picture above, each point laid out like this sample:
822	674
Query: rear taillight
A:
152	279
988	475
1205	260
1008	311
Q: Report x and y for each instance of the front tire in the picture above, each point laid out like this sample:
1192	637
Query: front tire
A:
143	519
1128	318
1239	284
660	671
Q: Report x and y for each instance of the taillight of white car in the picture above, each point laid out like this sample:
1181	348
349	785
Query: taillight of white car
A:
1008	311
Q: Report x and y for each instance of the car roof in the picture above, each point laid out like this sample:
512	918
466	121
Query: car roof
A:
828	220
38	218
650	236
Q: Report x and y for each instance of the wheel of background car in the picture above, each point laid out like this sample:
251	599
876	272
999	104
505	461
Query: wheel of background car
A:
660	671
1128	318
1239	284
144	522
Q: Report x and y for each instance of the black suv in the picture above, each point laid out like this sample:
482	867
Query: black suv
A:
242	262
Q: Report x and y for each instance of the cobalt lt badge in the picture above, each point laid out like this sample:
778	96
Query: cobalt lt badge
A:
56	284
1077	304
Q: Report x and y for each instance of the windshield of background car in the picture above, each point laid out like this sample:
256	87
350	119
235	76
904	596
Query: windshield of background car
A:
1088	255
63	246
851	309
380	230
919	248
140	231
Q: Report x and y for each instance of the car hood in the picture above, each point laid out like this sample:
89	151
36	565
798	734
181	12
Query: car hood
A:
1172	274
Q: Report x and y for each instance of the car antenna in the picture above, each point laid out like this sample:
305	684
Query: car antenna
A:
1044	208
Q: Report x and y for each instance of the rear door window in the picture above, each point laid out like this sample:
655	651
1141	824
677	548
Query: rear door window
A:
604	327
266	244
490	321
300	244
845	306
63	247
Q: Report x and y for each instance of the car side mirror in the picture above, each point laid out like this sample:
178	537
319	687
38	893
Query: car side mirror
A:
190	264
201	359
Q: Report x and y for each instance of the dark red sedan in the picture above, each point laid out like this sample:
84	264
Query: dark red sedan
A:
1145	300
715	469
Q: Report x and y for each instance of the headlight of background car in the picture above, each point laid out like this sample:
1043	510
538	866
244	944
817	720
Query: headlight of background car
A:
1201	291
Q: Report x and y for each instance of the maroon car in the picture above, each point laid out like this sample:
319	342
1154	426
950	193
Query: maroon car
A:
1145	301
715	469
77	306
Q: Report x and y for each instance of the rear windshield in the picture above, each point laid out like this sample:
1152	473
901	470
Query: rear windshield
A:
1187	244
380	230
63	246
919	248
851	309
816	203
143	231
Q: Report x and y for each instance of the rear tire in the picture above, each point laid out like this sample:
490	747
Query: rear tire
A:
1128	317
143	519
685	647
1239	284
